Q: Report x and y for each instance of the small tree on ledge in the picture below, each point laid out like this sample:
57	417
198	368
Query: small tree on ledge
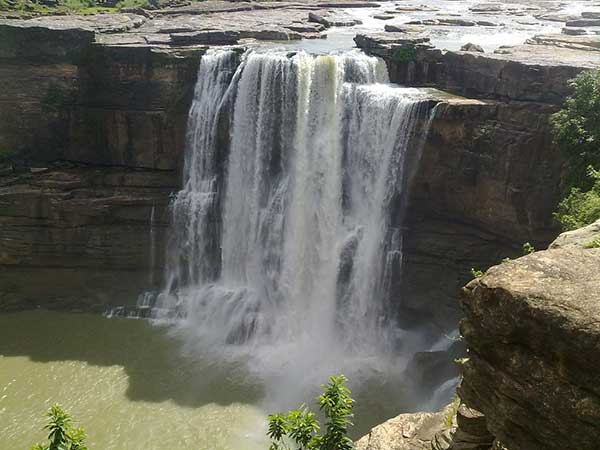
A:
298	429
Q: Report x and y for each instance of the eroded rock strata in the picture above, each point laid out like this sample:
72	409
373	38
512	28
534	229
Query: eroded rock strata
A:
530	379
531	326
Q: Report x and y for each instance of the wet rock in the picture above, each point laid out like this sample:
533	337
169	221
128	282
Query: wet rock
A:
415	8
486	8
306	27
387	40
329	19
574	31
383	16
456	22
556	17
588	43
432	369
271	35
470	47
393	28
206	38
583	23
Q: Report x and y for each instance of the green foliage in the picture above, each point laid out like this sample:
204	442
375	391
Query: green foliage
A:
576	129
476	273
528	249
7	154
405	54
580	208
594	243
298	429
449	419
62	434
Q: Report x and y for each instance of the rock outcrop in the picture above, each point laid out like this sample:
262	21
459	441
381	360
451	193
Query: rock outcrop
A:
95	135
532	330
485	184
416	431
538	71
81	238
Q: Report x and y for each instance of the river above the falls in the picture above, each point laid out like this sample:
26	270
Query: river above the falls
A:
132	387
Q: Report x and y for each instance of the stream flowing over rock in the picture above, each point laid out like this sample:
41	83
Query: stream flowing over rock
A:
288	228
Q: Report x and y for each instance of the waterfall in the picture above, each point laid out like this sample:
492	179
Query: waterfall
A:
287	232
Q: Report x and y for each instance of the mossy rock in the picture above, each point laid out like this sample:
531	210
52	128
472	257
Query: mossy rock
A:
405	54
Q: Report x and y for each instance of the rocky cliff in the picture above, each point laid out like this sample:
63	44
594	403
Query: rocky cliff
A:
530	381
531	327
485	184
92	138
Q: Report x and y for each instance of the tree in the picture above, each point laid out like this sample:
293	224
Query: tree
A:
576	129
299	428
62	436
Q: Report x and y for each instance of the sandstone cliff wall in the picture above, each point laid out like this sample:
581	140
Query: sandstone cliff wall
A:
95	136
532	330
485	184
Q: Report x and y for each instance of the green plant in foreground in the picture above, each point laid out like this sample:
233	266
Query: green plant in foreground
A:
449	419
298	429
476	273
594	243
63	435
528	249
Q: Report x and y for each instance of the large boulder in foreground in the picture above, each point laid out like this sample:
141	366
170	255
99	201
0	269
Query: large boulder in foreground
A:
416	431
532	327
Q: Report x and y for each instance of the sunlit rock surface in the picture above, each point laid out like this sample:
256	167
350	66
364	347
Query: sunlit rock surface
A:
532	330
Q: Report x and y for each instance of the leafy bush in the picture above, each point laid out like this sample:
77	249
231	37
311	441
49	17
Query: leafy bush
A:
580	208
62	436
576	129
477	273
594	243
299	428
528	249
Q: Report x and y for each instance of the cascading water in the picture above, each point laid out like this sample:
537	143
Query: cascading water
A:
287	231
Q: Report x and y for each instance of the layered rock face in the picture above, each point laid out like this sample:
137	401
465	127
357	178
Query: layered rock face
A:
484	185
73	99
80	235
538	71
81	238
531	327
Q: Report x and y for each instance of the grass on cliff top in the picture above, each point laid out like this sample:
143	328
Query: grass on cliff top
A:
82	7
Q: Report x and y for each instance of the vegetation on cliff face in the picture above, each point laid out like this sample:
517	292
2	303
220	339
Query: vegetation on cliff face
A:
301	426
577	132
62	434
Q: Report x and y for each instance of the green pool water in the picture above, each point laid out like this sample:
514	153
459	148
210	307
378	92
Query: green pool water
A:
125	381
134	386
